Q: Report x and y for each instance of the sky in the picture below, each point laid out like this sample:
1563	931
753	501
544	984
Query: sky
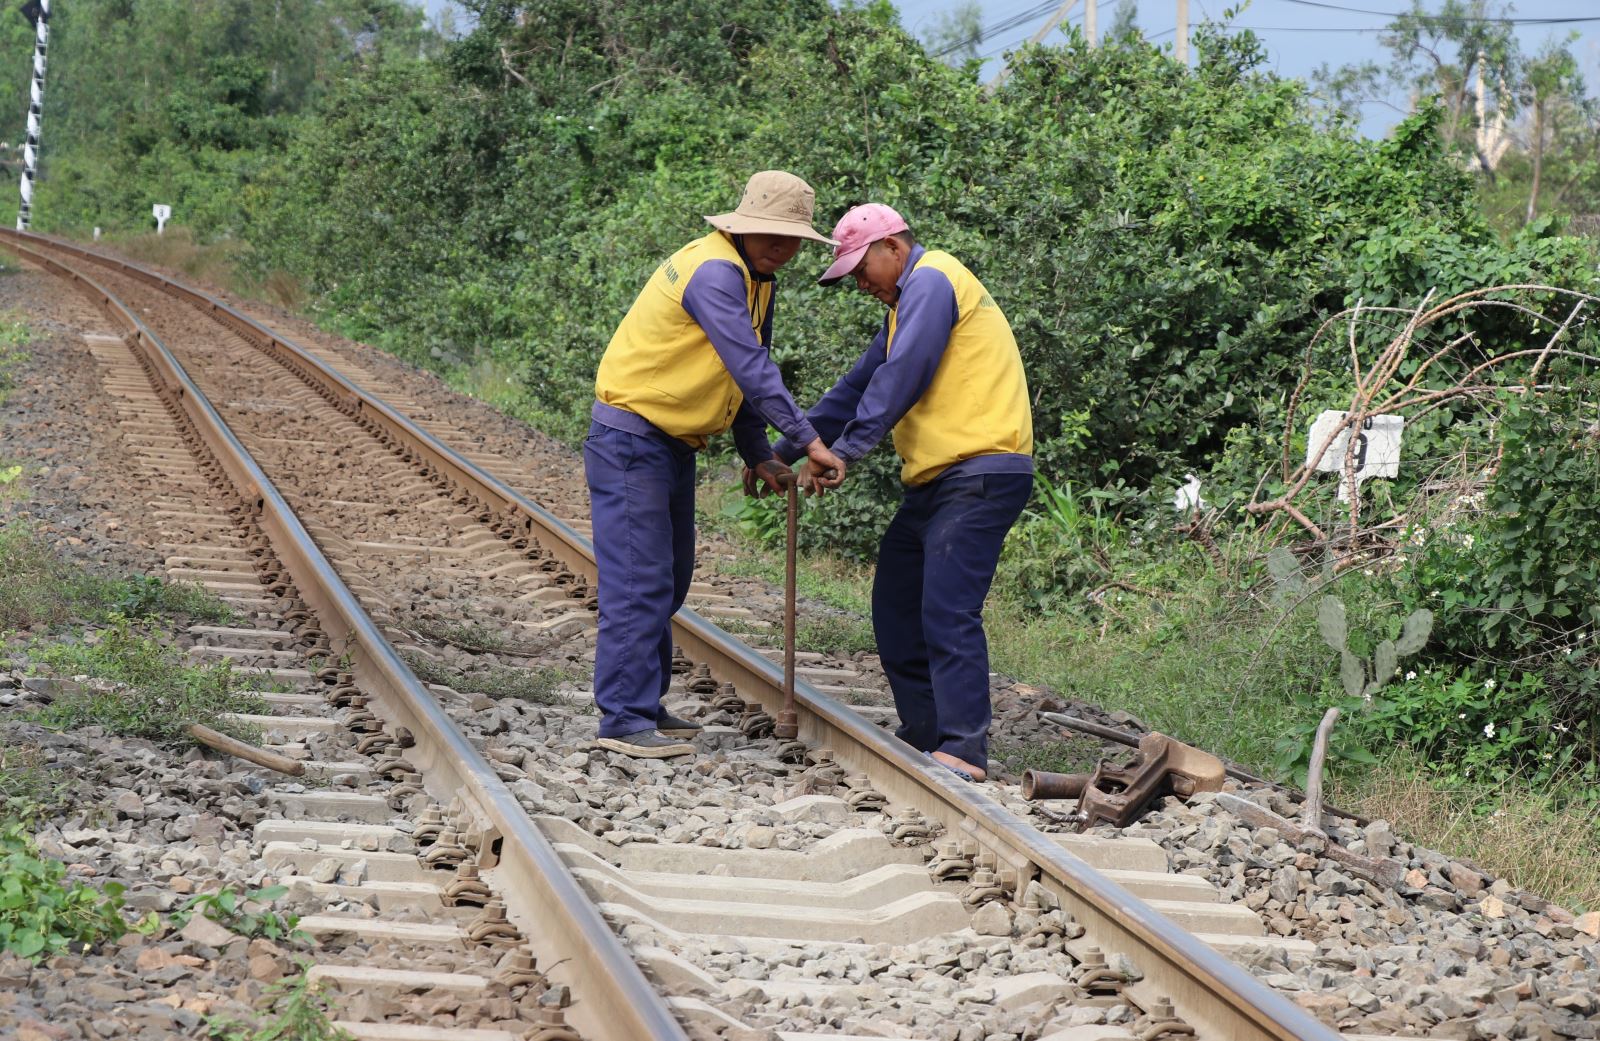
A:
1299	36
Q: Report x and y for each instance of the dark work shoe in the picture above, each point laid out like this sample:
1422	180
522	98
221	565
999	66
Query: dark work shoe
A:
646	744
672	726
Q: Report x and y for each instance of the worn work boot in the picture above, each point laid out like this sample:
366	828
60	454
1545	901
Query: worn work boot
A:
673	726
646	744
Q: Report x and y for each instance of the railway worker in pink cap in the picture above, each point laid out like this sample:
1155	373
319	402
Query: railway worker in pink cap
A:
945	375
690	359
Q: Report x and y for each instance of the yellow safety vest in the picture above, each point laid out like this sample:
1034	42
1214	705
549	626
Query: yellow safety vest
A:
978	401
660	364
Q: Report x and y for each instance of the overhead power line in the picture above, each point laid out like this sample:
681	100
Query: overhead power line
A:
1561	20
1014	44
987	31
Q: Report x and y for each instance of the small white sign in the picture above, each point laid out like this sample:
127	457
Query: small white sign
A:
1377	451
163	213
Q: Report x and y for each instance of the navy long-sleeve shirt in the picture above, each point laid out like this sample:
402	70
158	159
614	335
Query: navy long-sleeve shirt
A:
860	409
717	300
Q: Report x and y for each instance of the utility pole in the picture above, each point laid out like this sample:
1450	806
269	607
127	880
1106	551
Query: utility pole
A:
38	12
1182	51
1091	15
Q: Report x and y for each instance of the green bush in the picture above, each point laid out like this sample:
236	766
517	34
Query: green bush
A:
1513	574
1163	240
39	915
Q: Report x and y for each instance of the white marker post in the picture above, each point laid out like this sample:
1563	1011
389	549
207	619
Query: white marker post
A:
38	12
1377	451
163	213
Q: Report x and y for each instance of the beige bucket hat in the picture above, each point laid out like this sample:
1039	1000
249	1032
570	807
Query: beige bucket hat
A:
774	203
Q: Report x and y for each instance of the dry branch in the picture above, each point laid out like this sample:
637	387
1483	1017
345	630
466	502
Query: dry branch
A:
1380	390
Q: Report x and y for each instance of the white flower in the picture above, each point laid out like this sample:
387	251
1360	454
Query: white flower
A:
1411	676
1488	684
1461	715
1488	730
1561	728
1466	541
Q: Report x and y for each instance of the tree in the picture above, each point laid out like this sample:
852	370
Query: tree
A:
1124	20
1462	54
1551	88
956	33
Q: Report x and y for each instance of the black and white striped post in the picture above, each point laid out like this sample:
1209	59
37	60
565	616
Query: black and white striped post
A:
39	12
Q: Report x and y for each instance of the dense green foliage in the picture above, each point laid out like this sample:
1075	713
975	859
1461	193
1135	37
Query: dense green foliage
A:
185	104
1163	240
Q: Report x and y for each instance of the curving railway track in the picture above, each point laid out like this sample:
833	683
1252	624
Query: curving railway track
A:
835	885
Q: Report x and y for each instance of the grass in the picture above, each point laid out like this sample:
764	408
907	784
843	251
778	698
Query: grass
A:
841	635
14	338
538	685
15	335
216	262
1070	756
28	787
1544	839
1203	664
1199	661
40	589
158	694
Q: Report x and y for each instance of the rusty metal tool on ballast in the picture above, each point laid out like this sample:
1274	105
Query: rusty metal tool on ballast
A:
788	725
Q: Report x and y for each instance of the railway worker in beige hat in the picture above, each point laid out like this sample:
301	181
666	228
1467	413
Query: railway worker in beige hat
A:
690	359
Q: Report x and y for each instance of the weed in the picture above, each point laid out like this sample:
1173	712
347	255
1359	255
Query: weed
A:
38	588
159	696
538	685
14	336
759	520
39	915
1073	755
246	915
298	1011
27	787
147	595
836	634
469	636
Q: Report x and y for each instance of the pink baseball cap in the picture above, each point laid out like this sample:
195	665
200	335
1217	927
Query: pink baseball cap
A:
856	230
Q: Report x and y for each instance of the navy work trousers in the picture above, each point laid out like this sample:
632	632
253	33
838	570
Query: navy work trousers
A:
641	500
935	564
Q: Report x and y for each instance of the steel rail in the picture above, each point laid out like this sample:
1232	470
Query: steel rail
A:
1218	998
559	922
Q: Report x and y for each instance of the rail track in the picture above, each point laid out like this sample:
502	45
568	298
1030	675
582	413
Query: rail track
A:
847	871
